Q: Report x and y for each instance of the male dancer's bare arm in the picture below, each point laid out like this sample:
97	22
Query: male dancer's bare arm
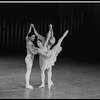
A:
36	33
30	29
33	49
28	32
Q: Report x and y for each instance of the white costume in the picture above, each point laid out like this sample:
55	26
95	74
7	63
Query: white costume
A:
52	54
43	61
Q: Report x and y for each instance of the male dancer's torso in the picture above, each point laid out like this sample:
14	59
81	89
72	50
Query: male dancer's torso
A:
31	49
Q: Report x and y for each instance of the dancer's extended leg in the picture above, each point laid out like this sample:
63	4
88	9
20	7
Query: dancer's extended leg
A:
61	39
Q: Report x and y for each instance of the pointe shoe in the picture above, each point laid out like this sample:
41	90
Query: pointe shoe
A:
50	84
41	86
65	33
29	86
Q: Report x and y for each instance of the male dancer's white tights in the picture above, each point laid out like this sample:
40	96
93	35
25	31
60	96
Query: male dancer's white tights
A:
29	63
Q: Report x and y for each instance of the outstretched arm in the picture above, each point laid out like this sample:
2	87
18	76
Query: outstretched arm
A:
29	31
36	33
48	34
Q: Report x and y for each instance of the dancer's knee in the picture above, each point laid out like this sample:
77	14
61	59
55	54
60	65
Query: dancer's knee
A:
49	70
29	67
42	71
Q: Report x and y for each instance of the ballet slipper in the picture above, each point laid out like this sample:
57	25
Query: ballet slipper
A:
29	86
65	33
50	84
41	86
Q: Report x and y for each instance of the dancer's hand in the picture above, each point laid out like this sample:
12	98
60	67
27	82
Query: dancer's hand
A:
33	25
35	51
50	25
30	28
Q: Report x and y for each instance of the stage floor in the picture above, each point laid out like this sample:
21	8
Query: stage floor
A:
71	79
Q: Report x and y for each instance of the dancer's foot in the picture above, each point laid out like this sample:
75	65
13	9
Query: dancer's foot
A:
29	86
50	84
41	86
65	33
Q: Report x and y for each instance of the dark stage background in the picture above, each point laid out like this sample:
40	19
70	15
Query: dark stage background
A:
81	19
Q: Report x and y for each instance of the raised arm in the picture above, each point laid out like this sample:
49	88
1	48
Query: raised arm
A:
30	29
52	39
48	34
28	32
36	33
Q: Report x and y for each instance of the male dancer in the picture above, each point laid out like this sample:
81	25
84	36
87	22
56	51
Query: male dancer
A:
31	52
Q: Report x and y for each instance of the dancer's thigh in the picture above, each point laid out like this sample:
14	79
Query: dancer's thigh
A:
28	60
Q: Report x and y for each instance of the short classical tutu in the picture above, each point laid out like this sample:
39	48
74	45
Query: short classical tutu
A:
54	53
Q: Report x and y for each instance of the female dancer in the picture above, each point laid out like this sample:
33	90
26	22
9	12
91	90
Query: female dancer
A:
49	58
43	45
50	41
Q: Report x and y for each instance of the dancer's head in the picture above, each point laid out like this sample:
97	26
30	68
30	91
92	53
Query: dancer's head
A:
31	37
39	43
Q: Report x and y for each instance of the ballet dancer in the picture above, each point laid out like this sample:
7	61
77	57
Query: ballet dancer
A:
31	52
50	41
49	58
42	62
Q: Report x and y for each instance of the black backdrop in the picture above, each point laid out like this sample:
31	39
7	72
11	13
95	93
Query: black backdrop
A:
81	19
